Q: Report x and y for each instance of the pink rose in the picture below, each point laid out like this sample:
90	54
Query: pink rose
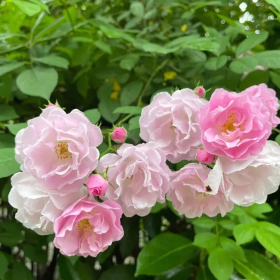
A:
250	181
204	157
191	195
59	149
139	176
119	135
170	122
267	97
234	125
97	185
88	227
37	207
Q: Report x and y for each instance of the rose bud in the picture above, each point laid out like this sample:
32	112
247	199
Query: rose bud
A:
204	157
119	135
97	185
200	91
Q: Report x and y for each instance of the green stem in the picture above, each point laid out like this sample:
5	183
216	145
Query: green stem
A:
124	119
109	146
149	81
277	130
217	227
202	257
68	14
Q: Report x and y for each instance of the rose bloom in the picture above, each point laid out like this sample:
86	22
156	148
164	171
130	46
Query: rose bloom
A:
88	227
251	181
170	122
59	149
191	195
139	177
37	207
267	97
234	125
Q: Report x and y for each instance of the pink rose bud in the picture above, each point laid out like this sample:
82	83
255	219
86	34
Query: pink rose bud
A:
119	135
204	157
51	105
97	185
200	91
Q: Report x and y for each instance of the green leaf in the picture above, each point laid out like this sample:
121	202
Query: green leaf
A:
258	267
93	115
19	271
7	140
254	78
28	8
38	81
129	61
66	269
130	92
270	59
107	107
103	46
11	233
163	253
3	265
244	64
250	42
8	164
206	240
129	110
101	257
234	250
105	91
10	67
275	77
220	264
227	224
122	272
15	128
157	207
35	253
244	233
7	112
53	61
137	9
151	14
257	210
134	123
204	222
181	272
269	240
270	227
215	63
6	84
275	3
6	190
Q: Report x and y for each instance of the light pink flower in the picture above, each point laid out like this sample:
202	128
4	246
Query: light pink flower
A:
191	195
37	208
97	185
59	149
139	176
250	181
119	135
88	227
170	122
204	157
266	97
234	125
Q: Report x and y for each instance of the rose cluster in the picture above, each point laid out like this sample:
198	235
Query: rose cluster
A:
67	188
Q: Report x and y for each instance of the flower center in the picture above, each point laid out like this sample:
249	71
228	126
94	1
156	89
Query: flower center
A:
61	150
229	124
84	226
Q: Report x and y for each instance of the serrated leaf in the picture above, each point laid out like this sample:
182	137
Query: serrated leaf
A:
244	64
204	222
220	264
10	67
163	253
206	240
130	92
28	8
128	110
129	61
215	63
38	81
244	233
250	42
106	109
53	61
15	128
8	164
93	115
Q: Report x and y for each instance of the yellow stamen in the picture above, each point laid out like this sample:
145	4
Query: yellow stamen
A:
61	149
84	226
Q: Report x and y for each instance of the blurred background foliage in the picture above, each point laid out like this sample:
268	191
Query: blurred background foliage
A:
108	58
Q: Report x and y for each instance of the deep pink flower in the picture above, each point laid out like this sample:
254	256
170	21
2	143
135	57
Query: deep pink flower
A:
234	125
119	135
204	157
191	195
97	185
200	91
170	122
267	97
88	227
59	149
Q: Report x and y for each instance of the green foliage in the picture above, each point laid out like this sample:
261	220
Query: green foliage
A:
109	59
